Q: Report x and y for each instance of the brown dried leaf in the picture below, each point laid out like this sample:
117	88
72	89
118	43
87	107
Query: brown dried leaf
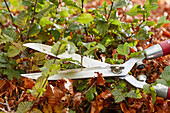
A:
124	108
100	80
28	83
104	95
97	106
77	100
91	81
137	105
2	84
57	92
65	84
47	108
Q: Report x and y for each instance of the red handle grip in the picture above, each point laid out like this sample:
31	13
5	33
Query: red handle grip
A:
168	93
165	45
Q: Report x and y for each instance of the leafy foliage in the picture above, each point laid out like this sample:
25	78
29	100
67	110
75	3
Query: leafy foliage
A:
123	49
105	33
23	107
165	77
85	18
150	90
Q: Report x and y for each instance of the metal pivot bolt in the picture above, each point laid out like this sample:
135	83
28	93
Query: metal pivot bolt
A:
140	65
142	78
117	69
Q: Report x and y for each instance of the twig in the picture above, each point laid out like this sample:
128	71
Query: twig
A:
32	20
5	104
136	29
89	88
123	14
39	94
6	101
82	5
2	109
110	11
11	16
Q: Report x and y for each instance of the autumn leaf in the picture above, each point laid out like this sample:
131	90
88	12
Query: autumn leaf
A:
100	80
77	100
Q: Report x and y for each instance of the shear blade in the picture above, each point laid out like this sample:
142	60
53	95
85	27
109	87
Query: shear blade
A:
87	62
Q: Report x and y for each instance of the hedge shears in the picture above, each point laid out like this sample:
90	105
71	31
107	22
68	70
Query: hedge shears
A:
117	70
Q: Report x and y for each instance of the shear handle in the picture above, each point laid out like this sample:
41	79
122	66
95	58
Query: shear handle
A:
158	50
162	91
165	45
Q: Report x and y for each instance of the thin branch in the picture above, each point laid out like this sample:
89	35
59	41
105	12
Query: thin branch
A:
136	29
39	93
6	104
11	16
89	87
6	101
2	109
3	103
82	5
110	11
32	20
123	14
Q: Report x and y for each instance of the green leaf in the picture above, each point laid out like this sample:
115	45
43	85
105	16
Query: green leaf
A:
161	22
116	22
165	77
98	46
90	95
151	5
22	19
50	67
166	72
71	111
134	54
3	57
39	58
35	29
118	95
162	81
133	43
55	34
153	94
44	11
12	73
44	21
23	107
134	94
85	18
120	3
141	35
146	88
134	10
71	47
59	48
150	23
10	33
38	88
13	51
123	49
71	4
102	26
5	38
55	2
